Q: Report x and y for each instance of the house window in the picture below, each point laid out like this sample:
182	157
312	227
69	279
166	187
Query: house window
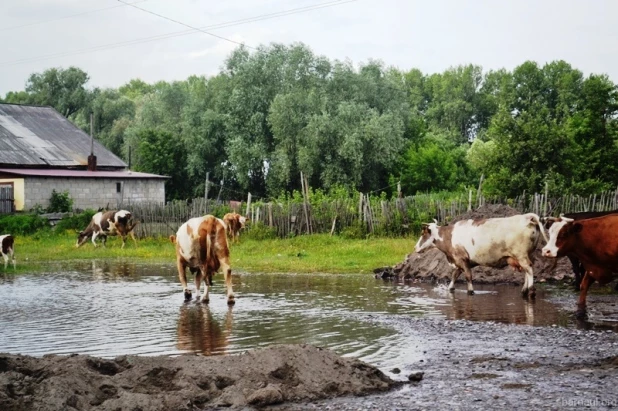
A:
118	187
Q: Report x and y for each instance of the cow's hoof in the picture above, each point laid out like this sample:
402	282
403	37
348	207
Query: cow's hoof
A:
452	289
187	295
470	292
524	293
231	301
532	292
205	300
581	314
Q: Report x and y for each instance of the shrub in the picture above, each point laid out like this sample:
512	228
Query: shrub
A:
260	231
75	222
22	224
60	202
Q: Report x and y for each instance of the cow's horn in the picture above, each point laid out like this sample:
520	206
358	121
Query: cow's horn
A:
435	221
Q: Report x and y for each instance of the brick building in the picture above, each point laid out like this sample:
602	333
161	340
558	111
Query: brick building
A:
41	151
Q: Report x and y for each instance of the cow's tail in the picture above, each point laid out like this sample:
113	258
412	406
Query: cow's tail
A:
537	221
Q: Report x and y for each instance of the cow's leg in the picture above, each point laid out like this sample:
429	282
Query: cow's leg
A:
95	234
6	259
454	277
104	240
468	273
528	289
132	234
227	272
578	272
182	276
204	274
124	240
198	285
581	302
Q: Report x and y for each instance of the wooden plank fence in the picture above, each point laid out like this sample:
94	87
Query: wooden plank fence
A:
398	216
7	201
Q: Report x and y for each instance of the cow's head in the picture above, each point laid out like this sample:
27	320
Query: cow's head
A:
560	231
122	217
82	237
243	220
429	236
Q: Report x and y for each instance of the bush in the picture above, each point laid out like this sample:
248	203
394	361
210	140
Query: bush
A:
22	224
260	231
60	202
76	222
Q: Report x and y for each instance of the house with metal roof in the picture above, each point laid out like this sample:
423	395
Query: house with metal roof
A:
41	151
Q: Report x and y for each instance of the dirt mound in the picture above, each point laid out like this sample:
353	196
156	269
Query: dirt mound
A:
261	377
432	264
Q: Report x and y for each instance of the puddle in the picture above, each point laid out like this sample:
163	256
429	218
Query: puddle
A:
108	309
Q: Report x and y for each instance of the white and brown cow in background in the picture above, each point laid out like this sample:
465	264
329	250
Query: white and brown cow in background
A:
234	222
201	245
7	249
493	242
108	223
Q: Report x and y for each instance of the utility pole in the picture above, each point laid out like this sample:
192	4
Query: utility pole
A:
206	186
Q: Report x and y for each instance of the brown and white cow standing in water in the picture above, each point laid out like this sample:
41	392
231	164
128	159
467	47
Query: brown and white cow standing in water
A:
493	242
234	222
108	223
201	245
594	242
7	249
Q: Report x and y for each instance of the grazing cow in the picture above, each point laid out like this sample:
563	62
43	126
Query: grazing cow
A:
234	222
594	242
493	242
106	223
201	245
7	249
578	267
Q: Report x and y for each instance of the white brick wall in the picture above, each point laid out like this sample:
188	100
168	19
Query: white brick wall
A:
93	192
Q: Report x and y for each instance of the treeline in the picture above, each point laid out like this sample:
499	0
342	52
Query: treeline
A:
281	110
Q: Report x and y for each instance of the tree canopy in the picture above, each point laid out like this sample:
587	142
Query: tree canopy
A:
273	113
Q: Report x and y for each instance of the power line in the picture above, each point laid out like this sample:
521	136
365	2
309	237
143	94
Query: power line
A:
36	23
186	25
178	33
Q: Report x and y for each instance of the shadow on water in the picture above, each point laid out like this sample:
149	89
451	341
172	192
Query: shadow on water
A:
114	308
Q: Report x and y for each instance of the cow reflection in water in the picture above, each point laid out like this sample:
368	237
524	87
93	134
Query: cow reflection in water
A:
200	332
489	307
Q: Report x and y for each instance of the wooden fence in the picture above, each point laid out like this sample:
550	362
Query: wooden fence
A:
363	214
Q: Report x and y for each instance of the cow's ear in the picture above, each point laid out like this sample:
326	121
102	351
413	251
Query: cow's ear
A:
577	227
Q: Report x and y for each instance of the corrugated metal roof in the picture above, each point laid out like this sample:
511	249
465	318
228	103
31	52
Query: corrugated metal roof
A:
49	172
40	136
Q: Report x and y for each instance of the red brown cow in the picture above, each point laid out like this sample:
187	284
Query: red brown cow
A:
578	268
105	223
7	249
594	242
234	222
201	245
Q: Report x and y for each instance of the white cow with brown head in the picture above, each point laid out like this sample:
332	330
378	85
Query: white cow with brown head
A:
201	245
493	242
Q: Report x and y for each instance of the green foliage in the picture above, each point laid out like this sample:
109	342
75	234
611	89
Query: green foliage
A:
259	231
60	202
22	224
280	110
75	222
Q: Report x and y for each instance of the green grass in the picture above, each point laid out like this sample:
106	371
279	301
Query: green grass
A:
304	254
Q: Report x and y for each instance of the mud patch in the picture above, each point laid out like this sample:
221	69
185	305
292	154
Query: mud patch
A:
262	377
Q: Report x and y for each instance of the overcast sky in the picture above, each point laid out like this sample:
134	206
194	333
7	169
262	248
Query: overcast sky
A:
431	35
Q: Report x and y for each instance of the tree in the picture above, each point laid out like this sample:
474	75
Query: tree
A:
63	89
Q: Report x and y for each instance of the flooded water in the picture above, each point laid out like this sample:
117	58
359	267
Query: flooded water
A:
111	309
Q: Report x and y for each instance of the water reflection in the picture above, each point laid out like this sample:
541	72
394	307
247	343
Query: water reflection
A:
109	308
200	332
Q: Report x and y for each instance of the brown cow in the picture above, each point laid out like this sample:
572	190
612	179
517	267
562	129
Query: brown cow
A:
594	242
578	268
7	249
234	222
108	223
201	245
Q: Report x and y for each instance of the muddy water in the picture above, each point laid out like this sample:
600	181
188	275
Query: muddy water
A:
107	310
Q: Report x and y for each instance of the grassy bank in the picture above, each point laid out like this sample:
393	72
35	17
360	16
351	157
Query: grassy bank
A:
304	254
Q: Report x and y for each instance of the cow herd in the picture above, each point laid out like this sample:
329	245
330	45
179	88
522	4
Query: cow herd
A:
589	240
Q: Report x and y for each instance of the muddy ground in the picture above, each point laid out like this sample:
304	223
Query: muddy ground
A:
433	266
260	377
473	365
